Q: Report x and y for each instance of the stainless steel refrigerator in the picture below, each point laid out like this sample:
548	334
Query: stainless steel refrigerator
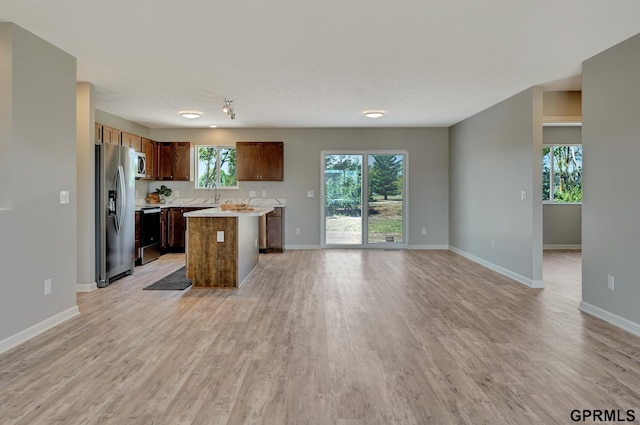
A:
115	225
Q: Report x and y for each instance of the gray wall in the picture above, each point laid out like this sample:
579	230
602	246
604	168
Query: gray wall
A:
428	174
494	155
611	206
562	224
38	234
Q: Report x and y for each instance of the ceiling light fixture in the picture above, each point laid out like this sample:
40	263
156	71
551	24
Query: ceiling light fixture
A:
213	126
190	114
227	108
373	114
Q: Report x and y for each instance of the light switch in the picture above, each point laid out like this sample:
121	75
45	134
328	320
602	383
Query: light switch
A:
523	195
252	194
264	193
310	194
64	197
220	235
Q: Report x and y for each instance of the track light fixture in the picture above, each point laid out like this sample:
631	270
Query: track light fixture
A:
227	108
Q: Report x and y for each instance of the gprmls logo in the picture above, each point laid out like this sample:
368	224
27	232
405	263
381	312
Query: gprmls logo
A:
596	415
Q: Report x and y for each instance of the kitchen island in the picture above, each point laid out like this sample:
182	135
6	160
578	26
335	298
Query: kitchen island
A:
222	246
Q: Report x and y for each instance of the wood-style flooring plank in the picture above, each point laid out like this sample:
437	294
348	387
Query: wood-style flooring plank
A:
349	337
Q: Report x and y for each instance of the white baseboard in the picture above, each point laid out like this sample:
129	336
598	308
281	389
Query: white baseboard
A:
508	273
302	247
86	287
430	247
433	247
25	335
614	319
562	246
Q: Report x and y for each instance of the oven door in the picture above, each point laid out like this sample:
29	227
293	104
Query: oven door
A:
150	226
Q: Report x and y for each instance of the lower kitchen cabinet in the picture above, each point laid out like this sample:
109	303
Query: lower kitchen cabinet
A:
176	227
164	213
275	230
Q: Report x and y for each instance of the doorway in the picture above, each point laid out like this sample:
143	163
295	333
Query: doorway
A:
363	199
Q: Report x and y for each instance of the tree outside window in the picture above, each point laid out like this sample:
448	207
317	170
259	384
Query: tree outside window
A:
385	176
562	174
216	167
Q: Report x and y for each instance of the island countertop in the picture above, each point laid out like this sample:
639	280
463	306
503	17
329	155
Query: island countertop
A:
219	212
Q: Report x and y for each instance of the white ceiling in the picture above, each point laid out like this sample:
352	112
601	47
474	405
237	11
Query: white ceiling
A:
298	63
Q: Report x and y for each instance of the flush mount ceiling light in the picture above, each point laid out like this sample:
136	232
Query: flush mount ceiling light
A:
227	108
213	126
373	114
190	114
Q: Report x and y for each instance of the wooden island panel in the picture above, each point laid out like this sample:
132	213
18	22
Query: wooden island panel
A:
211	263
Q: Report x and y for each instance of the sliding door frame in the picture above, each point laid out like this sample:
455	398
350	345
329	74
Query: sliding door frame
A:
365	199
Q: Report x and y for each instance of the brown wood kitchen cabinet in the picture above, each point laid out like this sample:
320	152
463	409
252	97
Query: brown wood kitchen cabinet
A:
164	213
131	140
98	135
111	135
260	161
174	160
176	226
275	230
182	161
149	149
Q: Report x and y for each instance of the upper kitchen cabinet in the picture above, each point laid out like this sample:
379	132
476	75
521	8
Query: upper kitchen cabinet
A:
174	161
131	140
98	136
149	150
182	158
260	161
111	135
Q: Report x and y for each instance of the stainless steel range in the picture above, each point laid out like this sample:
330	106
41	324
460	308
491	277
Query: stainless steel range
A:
150	234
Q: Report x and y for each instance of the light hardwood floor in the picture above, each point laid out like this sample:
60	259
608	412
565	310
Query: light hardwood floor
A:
348	337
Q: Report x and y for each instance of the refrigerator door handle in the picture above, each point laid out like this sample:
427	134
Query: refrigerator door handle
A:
121	199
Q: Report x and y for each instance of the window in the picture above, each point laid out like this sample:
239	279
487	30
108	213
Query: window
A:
216	167
562	174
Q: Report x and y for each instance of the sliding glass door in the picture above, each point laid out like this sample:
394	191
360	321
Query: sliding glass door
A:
363	202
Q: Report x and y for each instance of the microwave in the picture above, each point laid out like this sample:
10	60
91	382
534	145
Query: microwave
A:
139	165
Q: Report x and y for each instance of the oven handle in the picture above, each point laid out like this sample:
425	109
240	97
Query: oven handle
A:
151	210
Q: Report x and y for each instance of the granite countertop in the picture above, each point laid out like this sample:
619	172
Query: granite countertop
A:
219	212
210	203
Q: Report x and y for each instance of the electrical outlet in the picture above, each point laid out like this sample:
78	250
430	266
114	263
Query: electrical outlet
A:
493	245
610	283
297	230
47	286
264	193
252	194
176	193
310	194
424	231
220	235
523	195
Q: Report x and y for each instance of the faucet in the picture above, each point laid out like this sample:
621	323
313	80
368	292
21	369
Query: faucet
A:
216	195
